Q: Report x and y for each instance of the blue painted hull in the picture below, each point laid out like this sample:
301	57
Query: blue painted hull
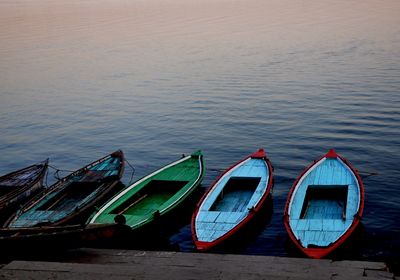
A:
232	201
324	205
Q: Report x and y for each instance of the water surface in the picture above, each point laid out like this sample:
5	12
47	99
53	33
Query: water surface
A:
79	79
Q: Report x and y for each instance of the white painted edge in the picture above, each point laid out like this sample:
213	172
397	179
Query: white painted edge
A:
359	194
356	180
266	184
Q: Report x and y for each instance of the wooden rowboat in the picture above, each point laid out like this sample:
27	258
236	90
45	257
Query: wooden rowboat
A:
72	197
154	195
232	200
324	205
19	185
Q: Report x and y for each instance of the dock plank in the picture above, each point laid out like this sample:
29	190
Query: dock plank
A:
126	264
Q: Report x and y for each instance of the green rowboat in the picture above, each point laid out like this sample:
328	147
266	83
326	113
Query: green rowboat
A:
154	195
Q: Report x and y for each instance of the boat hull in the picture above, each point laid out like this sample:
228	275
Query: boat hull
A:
324	206
19	185
155	195
72	198
232	201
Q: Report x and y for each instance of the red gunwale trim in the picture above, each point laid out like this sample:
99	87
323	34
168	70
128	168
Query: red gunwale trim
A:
318	253
203	245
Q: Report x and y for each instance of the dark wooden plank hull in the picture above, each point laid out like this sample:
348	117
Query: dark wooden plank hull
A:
73	198
19	185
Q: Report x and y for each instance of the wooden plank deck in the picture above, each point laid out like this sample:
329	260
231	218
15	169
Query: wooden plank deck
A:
128	264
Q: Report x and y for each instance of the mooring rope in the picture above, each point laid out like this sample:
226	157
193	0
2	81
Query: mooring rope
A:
57	171
366	174
219	170
133	171
47	175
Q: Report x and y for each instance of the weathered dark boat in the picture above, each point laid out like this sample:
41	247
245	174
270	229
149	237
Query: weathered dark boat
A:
17	186
72	198
324	206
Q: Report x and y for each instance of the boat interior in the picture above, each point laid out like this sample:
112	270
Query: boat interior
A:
231	199
70	196
236	194
77	191
325	202
154	194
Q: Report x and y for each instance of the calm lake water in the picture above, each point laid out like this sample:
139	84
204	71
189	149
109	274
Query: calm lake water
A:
159	78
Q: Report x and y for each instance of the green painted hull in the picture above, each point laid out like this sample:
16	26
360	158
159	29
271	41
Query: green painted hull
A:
154	195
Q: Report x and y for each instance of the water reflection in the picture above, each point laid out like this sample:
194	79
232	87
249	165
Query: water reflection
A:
161	78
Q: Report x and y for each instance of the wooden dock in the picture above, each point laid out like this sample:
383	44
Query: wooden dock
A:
128	264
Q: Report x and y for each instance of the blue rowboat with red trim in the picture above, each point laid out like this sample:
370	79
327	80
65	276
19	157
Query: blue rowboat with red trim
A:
232	200
324	206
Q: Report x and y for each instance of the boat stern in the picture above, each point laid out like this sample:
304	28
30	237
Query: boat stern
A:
317	253
203	246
